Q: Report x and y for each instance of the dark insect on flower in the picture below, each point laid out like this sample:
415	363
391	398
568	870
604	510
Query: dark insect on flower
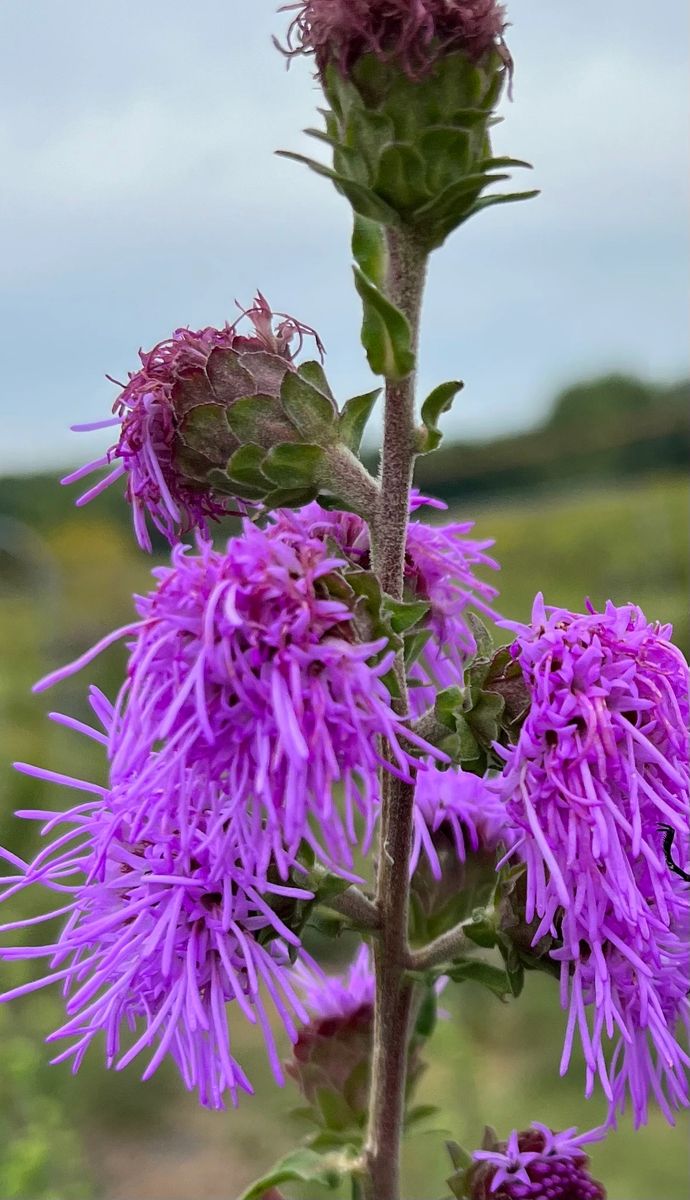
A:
668	852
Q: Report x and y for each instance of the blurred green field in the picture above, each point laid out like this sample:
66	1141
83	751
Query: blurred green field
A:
104	1135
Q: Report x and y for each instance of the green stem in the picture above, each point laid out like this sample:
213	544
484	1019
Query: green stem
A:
406	276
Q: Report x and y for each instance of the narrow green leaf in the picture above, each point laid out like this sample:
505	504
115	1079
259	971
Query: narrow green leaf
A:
494	979
354	417
427	1016
439	402
306	1166
498	164
505	198
361	198
386	333
369	249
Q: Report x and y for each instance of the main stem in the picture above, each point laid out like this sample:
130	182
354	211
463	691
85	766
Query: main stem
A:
406	277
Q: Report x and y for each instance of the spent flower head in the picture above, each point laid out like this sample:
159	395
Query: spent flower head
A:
166	478
601	760
411	32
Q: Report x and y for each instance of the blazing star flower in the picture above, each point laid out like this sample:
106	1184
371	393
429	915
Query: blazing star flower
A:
247	686
537	1164
411	32
456	810
440	568
164	477
601	760
166	933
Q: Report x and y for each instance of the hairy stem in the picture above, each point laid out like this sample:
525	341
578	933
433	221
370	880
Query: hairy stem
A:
407	269
357	907
443	950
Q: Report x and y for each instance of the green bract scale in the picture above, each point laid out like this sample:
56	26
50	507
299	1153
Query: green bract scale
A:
416	152
255	427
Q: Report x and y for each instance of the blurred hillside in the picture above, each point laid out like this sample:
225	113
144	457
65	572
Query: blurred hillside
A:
593	503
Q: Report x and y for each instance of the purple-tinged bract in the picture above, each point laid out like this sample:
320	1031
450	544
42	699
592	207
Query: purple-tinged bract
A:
248	691
165	477
166	936
411	32
536	1164
601	761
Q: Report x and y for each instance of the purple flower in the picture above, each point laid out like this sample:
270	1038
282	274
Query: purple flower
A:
151	410
464	810
166	933
247	686
440	568
411	32
601	760
537	1164
331	997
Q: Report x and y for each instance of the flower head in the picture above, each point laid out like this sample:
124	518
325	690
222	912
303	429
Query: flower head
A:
247	685
601	759
456	813
440	569
536	1164
165	476
412	32
164	937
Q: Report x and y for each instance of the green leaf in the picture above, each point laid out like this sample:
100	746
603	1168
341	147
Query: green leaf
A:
505	198
414	646
369	249
311	411
428	1014
336	1114
306	1166
386	333
354	417
294	465
499	164
420	1112
439	402
290	497
361	198
403	614
495	979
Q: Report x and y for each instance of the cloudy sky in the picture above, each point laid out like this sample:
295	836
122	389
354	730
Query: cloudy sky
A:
140	192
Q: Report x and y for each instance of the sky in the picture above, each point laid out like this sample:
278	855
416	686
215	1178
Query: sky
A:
140	192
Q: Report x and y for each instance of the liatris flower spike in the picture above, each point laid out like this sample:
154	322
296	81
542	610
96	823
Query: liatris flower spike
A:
166	935
601	760
536	1164
249	691
163	451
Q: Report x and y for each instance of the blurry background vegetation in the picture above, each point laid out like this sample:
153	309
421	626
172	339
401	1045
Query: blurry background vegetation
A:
592	504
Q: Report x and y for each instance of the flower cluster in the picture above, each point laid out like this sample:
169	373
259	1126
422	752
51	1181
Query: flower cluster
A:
342	31
601	760
440	569
166	930
151	409
247	686
537	1164
457	815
